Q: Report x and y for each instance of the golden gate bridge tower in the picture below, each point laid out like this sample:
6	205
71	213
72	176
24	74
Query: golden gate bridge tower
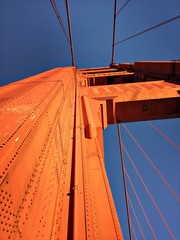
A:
53	181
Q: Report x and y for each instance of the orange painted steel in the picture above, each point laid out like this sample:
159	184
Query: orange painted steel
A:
53	182
36	155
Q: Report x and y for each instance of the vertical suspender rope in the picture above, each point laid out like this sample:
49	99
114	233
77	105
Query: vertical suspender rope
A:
163	135
138	223
124	181
140	204
150	195
114	30
152	164
70	32
69	38
59	19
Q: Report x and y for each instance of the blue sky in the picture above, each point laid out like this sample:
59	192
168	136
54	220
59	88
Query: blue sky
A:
31	41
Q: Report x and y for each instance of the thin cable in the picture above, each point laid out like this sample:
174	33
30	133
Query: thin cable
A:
148	29
135	215
59	19
114	30
70	32
124	180
162	134
153	166
149	194
132	227
123	6
140	204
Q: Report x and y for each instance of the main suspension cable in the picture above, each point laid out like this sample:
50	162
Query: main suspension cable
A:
149	29
124	180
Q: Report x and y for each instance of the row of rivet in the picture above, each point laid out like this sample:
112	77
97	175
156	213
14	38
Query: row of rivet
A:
16	222
62	176
4	172
29	116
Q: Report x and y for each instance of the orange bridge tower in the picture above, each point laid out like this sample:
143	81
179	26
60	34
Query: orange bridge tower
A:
53	182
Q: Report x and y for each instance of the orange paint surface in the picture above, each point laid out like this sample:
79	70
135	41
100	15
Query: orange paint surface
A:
53	182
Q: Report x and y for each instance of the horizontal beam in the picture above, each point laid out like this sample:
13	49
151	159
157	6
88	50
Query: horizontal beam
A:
165	69
140	101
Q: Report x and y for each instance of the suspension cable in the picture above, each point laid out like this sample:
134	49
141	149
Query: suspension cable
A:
114	30
70	32
162	134
135	215
149	29
124	180
59	19
123	6
132	227
151	163
140	204
149	194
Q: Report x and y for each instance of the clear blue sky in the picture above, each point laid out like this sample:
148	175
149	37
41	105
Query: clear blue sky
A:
31	41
